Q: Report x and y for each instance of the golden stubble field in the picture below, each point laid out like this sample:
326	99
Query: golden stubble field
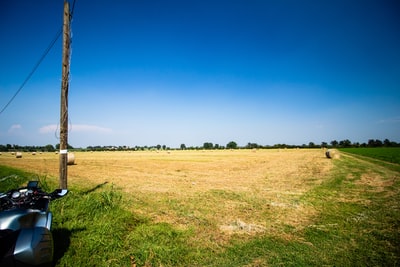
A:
227	191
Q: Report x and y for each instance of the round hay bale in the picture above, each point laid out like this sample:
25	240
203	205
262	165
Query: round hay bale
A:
328	154
332	154
71	159
18	155
33	153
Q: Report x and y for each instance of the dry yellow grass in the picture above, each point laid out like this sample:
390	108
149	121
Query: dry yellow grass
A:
228	191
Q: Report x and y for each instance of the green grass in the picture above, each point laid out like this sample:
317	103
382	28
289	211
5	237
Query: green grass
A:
389	154
11	178
356	224
388	157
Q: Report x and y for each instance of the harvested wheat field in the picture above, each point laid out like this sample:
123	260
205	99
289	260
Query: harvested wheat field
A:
235	191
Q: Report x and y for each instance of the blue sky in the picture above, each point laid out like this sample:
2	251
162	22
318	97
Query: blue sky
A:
172	72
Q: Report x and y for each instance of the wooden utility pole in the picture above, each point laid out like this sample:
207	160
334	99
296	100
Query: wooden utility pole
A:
64	99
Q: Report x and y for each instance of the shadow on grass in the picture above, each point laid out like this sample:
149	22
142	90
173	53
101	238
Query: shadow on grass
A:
62	241
94	188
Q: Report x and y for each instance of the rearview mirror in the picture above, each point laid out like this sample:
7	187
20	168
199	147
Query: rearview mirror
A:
59	193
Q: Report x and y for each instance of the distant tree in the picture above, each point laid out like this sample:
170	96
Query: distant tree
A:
216	146
252	145
378	143
281	146
334	143
371	142
183	146
311	144
387	142
393	143
231	145
345	143
375	143
208	145
68	146
324	144
49	148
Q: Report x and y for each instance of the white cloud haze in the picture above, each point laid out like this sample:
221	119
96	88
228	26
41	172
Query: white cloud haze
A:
52	128
14	128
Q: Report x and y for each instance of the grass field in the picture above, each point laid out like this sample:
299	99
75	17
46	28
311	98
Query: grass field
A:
389	154
289	207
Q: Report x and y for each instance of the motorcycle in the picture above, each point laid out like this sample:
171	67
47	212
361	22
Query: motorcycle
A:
25	226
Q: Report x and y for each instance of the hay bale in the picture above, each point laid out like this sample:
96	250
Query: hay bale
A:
33	153
332	154
18	155
328	154
71	159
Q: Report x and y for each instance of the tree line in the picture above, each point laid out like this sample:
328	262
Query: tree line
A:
46	148
206	146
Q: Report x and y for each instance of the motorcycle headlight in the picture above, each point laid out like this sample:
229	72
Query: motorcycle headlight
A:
16	194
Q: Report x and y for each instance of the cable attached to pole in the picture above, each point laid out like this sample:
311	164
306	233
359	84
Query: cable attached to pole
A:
38	62
34	69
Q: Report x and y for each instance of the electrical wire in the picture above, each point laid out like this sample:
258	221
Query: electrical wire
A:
34	69
38	62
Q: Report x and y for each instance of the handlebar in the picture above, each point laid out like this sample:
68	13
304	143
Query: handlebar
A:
30	196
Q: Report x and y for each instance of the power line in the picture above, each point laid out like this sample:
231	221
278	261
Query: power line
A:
72	9
37	64
34	69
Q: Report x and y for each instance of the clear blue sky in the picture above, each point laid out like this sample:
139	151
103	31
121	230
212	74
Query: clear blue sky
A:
172	72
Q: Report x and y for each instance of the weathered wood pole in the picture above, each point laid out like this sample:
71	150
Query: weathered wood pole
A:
64	99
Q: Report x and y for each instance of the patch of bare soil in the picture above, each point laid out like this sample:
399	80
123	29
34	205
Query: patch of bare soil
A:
375	181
